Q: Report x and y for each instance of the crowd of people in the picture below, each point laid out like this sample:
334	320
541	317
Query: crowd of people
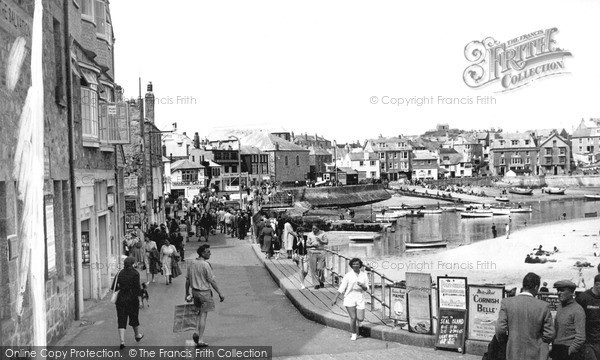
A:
525	326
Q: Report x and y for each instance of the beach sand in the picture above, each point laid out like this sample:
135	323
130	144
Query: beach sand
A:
501	260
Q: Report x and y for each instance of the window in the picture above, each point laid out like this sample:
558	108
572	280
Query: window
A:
189	175
181	145
372	163
361	163
580	148
548	151
502	162
255	168
561	159
528	161
428	172
372	174
516	161
234	169
264	169
87	10
501	154
428	161
297	160
514	142
89	112
562	151
405	154
395	155
100	17
580	141
193	158
527	153
286	161
548	161
395	165
553	142
501	142
516	153
382	155
526	142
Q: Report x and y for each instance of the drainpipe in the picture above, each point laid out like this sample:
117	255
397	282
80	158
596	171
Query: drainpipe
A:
71	125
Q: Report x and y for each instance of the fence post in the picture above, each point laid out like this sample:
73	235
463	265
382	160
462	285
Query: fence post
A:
382	295
372	280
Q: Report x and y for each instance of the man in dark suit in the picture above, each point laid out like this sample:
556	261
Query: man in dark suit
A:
527	321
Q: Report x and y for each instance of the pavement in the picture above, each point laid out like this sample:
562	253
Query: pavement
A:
255	313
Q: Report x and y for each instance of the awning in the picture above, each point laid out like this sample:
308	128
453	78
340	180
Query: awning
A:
89	76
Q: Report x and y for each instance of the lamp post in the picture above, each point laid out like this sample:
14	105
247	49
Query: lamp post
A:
239	167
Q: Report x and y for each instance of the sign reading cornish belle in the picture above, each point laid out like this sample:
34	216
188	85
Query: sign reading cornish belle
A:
516	62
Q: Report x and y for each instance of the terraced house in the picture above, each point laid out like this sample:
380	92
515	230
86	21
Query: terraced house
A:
84	131
394	153
514	151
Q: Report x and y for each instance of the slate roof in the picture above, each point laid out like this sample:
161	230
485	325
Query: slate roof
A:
184	165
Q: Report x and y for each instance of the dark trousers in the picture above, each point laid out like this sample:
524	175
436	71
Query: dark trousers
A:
561	352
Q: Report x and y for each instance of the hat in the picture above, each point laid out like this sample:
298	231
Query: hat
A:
565	284
128	262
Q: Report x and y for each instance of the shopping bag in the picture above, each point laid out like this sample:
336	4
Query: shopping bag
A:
186	318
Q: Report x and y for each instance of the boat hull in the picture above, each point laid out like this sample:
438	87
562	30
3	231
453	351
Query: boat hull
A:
426	245
476	214
592	197
520	191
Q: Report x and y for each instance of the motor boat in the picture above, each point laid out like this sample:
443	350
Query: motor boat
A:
500	211
363	238
431	211
520	191
476	214
502	199
426	245
554	190
521	210
413	213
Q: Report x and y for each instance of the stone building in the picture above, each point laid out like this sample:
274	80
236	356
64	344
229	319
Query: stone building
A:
395	156
514	151
145	202
82	207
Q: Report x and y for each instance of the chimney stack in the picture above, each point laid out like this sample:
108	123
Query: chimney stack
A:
174	127
196	141
149	103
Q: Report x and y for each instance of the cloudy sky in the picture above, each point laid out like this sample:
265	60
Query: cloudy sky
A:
335	67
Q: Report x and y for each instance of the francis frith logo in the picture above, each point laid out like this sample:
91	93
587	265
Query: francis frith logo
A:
516	62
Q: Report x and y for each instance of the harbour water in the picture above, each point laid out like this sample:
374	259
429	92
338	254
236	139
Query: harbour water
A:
449	226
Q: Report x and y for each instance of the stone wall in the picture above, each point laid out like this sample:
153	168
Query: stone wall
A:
554	181
59	292
340	196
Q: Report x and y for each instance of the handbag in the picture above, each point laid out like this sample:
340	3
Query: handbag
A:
115	294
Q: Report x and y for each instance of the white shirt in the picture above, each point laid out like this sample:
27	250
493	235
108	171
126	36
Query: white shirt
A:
350	282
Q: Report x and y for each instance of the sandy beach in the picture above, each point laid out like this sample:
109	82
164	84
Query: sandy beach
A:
501	260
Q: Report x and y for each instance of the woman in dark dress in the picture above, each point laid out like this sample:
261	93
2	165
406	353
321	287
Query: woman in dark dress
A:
128	300
266	236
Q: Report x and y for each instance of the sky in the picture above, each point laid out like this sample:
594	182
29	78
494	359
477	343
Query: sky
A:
348	69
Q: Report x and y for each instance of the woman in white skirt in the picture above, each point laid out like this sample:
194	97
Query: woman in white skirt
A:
352	287
288	238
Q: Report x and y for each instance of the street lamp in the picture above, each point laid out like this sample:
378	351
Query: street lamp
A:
239	167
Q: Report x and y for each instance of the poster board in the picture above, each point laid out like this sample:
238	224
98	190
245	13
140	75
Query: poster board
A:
418	286
452	292
398	304
552	300
451	329
484	306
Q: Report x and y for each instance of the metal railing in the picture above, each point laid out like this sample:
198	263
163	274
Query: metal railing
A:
338	266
